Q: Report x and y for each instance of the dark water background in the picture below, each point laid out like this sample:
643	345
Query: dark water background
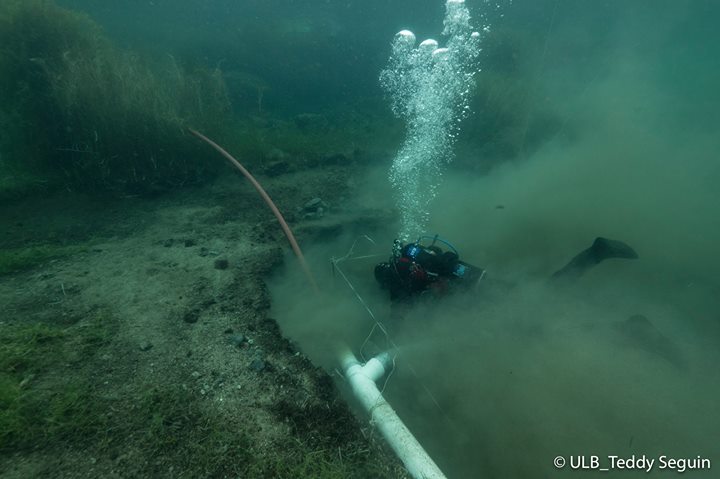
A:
595	118
319	55
312	54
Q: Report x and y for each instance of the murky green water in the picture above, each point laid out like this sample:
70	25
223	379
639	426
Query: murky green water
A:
587	119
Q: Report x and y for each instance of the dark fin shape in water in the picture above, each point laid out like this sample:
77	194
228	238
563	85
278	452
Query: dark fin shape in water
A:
640	333
601	249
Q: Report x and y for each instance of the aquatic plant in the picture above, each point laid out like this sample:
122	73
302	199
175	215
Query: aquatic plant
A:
37	407
100	116
18	259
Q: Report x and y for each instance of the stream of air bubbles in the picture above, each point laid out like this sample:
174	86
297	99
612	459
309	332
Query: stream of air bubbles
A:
429	88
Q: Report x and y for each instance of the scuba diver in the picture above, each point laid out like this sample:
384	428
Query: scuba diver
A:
415	269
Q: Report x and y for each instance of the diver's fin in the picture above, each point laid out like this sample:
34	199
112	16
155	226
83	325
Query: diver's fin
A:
601	249
604	248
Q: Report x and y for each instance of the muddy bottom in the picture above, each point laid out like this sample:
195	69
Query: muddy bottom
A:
136	342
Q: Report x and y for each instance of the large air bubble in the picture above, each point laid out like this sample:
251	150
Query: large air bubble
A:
429	88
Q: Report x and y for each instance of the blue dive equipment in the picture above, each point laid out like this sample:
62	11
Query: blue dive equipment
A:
412	251
460	270
437	238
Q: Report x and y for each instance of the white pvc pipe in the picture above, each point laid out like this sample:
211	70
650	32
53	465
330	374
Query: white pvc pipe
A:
383	416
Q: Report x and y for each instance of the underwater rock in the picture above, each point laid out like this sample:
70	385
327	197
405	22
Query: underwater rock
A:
315	208
207	252
221	263
258	365
237	340
312	204
277	168
146	346
277	162
191	316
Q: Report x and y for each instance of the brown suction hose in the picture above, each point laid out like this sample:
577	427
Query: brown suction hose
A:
269	201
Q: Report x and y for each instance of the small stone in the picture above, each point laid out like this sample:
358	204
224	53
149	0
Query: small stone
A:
228	331
195	374
237	340
277	168
276	154
191	316
312	204
221	264
146	346
257	365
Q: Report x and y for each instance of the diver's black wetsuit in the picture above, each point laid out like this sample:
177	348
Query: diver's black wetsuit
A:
414	269
600	250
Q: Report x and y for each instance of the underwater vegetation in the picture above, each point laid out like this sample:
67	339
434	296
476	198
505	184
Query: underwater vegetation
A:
54	396
46	400
37	405
78	110
18	259
114	119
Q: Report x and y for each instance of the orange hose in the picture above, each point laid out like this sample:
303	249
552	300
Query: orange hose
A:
269	201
